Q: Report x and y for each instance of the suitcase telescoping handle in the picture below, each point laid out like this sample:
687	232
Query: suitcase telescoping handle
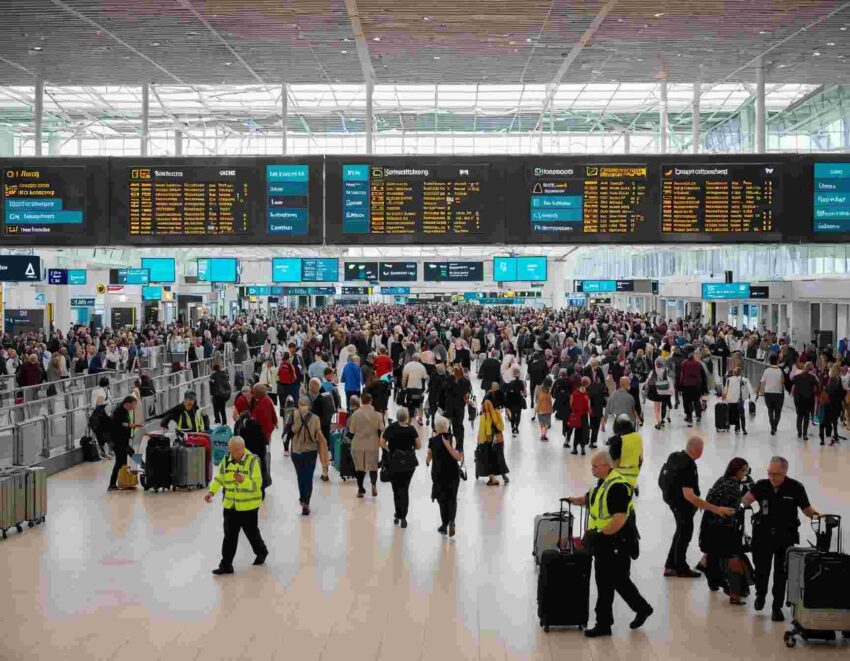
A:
828	522
561	524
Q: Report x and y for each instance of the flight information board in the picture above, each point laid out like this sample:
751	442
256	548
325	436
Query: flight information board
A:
832	198
404	200
553	199
453	271
361	271
708	199
216	201
398	271
61	203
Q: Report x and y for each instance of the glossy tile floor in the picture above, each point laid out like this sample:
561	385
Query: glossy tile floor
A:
127	575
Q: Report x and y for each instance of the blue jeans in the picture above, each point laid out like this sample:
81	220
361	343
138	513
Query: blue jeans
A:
305	466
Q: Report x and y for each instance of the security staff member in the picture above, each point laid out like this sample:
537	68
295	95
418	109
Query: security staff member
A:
240	477
775	529
611	537
188	416
626	449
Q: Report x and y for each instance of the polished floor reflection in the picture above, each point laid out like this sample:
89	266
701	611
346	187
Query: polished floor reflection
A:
127	575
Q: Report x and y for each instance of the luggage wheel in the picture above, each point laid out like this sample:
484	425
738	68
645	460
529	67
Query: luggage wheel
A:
31	524
19	527
790	639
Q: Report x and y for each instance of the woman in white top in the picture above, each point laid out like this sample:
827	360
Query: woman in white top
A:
268	378
738	392
100	398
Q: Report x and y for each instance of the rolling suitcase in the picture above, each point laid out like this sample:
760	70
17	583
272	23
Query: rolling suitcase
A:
818	588
188	467
563	584
342	459
721	416
219	438
547	532
752	407
36	495
13	499
157	466
200	440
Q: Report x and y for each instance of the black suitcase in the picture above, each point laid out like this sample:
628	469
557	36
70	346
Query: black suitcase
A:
563	585
752	406
90	451
721	416
157	473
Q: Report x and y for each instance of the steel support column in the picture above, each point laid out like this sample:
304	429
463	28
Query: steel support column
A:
146	106
178	143
284	117
761	117
664	118
695	118
627	142
38	115
370	117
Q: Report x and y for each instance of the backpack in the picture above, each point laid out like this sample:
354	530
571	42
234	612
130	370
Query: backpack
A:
667	479
100	419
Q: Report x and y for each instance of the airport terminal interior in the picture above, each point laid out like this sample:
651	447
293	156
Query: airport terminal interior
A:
389	282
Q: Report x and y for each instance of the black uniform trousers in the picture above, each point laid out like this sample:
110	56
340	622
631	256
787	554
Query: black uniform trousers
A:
613	567
234	521
677	558
401	492
765	554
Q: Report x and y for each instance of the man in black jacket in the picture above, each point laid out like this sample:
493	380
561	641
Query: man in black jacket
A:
490	371
220	390
123	426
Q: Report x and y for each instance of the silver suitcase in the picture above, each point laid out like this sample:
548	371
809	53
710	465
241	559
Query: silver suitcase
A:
36	495
13	499
546	531
188	466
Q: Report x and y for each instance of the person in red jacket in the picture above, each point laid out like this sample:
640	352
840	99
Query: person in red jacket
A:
287	382
263	411
690	383
580	413
383	363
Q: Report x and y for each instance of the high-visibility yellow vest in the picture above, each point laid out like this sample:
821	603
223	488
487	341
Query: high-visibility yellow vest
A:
599	516
629	463
184	421
241	497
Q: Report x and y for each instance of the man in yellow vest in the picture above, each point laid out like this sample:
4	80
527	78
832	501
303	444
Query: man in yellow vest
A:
240	476
611	538
626	449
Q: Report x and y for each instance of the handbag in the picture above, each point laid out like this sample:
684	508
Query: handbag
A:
471	409
402	461
126	478
384	471
574	421
461	470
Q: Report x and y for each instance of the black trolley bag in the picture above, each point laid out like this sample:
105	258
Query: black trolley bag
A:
563	585
721	416
157	473
818	588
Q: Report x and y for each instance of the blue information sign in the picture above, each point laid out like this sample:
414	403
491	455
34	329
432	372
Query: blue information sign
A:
286	269
57	276
355	199
719	291
319	269
77	276
832	197
288	197
82	301
395	291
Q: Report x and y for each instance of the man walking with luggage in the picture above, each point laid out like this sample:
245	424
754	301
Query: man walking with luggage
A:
679	482
240	476
775	529
612	539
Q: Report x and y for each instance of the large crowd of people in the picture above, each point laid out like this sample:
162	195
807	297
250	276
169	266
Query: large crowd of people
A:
401	374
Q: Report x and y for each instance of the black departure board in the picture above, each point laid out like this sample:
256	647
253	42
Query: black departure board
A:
720	198
56	201
395	200
194	201
248	201
453	271
555	200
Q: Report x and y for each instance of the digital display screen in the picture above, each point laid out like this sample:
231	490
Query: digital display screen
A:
515	269
57	276
566	199
77	276
319	269
705	198
399	200
151	293
832	198
164	201
603	286
163	269
759	291
218	269
356	291
361	271
454	271
54	201
395	291
129	277
718	291
398	271
286	269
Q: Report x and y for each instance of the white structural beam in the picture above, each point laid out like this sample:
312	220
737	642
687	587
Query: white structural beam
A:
38	115
146	110
284	117
760	145
695	118
664	117
552	87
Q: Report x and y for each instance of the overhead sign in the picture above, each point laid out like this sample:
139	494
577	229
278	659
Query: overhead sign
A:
100	289
40	298
82	302
77	276
395	291
57	276
20	268
115	289
759	291
714	291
